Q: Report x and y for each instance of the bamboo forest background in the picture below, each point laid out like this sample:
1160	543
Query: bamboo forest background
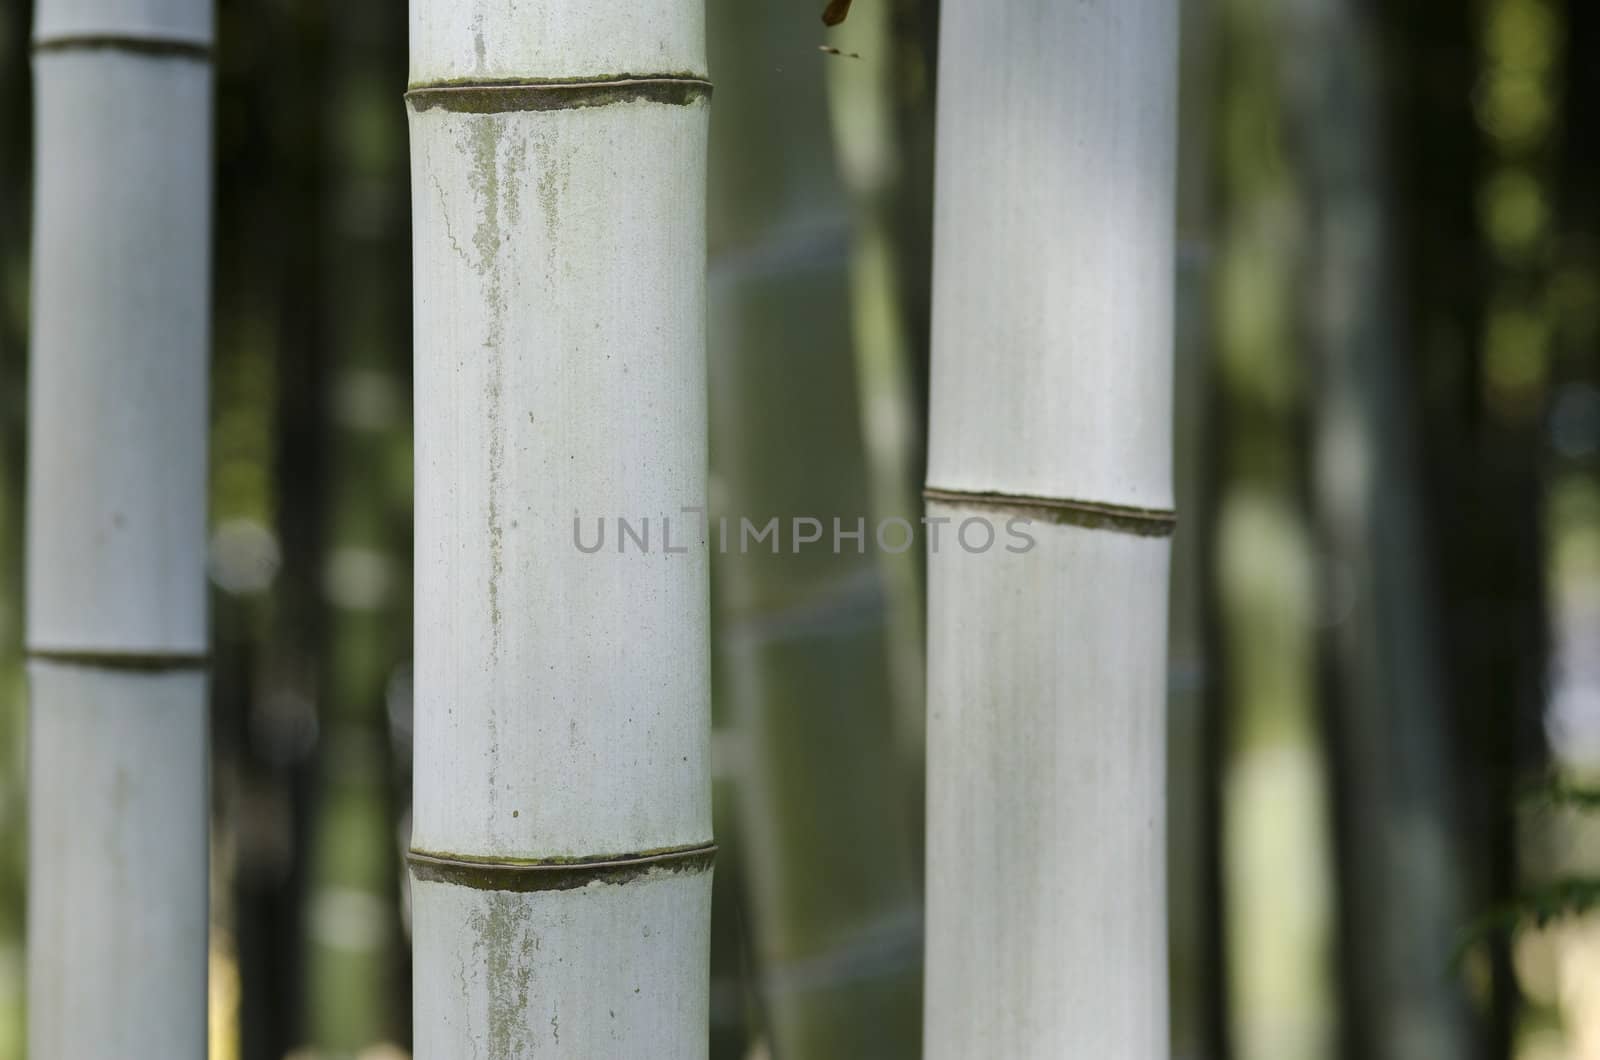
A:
1385	678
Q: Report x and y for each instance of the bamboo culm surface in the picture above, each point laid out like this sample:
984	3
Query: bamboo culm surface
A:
1051	399
116	616
562	822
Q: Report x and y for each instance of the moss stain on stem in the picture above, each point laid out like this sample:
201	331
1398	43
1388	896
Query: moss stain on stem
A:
483	146
506	947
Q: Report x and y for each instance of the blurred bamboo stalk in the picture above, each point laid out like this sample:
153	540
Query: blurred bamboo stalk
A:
869	145
561	843
737	1019
270	499
267	494
116	622
1403	900
1473	142
288	704
1277	856
1559	66
15	155
1052	403
804	637
1194	709
356	955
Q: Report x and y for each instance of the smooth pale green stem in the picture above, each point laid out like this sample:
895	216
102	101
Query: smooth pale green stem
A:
804	638
862	85
1277	853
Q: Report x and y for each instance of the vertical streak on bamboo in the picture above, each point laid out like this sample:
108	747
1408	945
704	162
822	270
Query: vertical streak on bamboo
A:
116	619
1051	401
561	869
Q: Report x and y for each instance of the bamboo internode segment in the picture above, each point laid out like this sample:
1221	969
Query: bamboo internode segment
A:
1053	246
563	698
116	537
117	901
597	971
1046	798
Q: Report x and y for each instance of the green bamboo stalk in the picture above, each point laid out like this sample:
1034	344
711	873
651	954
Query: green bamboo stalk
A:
14	136
1405	899
1193	730
261	704
355	947
1277	844
862	87
805	645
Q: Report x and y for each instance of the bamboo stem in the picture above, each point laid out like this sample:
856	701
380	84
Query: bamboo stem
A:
804	639
561	878
116	619
1398	807
1051	401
